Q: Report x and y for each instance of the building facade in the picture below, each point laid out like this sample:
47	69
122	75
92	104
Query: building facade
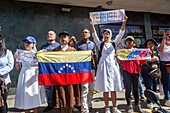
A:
19	19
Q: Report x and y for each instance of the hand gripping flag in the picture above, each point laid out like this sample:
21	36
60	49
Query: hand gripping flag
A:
133	54
64	68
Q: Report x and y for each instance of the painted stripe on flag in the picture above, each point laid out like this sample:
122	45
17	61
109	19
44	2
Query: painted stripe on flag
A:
65	79
58	57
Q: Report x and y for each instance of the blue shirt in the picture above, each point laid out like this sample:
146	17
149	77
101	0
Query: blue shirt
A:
50	47
83	46
6	65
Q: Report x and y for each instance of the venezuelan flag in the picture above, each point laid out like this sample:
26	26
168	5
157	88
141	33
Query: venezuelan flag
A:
64	68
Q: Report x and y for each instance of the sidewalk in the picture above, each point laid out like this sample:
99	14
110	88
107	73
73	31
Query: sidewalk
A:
98	103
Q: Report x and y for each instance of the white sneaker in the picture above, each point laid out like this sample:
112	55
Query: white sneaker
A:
116	111
107	110
150	106
155	105
76	110
167	103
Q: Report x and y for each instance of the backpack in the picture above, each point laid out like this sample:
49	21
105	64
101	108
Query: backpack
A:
101	47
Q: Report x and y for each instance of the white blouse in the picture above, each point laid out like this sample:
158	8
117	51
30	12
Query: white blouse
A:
165	54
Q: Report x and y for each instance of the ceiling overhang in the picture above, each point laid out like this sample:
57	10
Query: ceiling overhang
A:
152	6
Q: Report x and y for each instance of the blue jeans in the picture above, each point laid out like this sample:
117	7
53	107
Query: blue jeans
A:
165	79
141	92
48	91
148	81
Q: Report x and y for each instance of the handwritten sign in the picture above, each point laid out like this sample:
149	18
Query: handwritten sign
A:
26	56
133	54
104	17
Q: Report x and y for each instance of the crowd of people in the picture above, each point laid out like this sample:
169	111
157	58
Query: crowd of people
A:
107	69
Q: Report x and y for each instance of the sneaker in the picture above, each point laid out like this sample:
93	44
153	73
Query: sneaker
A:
94	92
75	109
116	111
150	105
130	109
107	110
167	103
138	109
48	108
155	105
142	99
97	91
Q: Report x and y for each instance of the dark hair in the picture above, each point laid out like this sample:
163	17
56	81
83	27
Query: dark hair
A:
152	40
3	49
85	29
0	36
105	31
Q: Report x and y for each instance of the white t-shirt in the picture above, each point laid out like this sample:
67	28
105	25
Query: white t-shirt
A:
165	54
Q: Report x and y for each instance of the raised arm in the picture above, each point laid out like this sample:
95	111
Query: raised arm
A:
94	35
124	23
121	32
162	45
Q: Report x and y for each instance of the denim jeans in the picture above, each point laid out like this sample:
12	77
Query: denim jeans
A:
141	91
48	91
131	81
165	79
148	81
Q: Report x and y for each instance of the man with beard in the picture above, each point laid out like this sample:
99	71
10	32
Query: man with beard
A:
6	65
50	45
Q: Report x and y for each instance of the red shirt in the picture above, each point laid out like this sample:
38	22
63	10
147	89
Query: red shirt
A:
133	66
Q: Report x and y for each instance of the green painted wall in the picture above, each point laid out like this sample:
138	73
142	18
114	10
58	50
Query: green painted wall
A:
20	19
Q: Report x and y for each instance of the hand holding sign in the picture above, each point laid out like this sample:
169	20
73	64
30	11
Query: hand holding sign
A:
133	54
104	17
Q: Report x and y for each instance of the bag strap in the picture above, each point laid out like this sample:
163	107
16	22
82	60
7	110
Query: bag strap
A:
114	45
101	47
100	51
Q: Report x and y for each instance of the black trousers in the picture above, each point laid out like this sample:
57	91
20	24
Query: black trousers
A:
131	81
4	109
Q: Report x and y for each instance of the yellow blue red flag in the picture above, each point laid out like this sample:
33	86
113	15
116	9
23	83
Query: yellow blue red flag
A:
133	54
64	68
